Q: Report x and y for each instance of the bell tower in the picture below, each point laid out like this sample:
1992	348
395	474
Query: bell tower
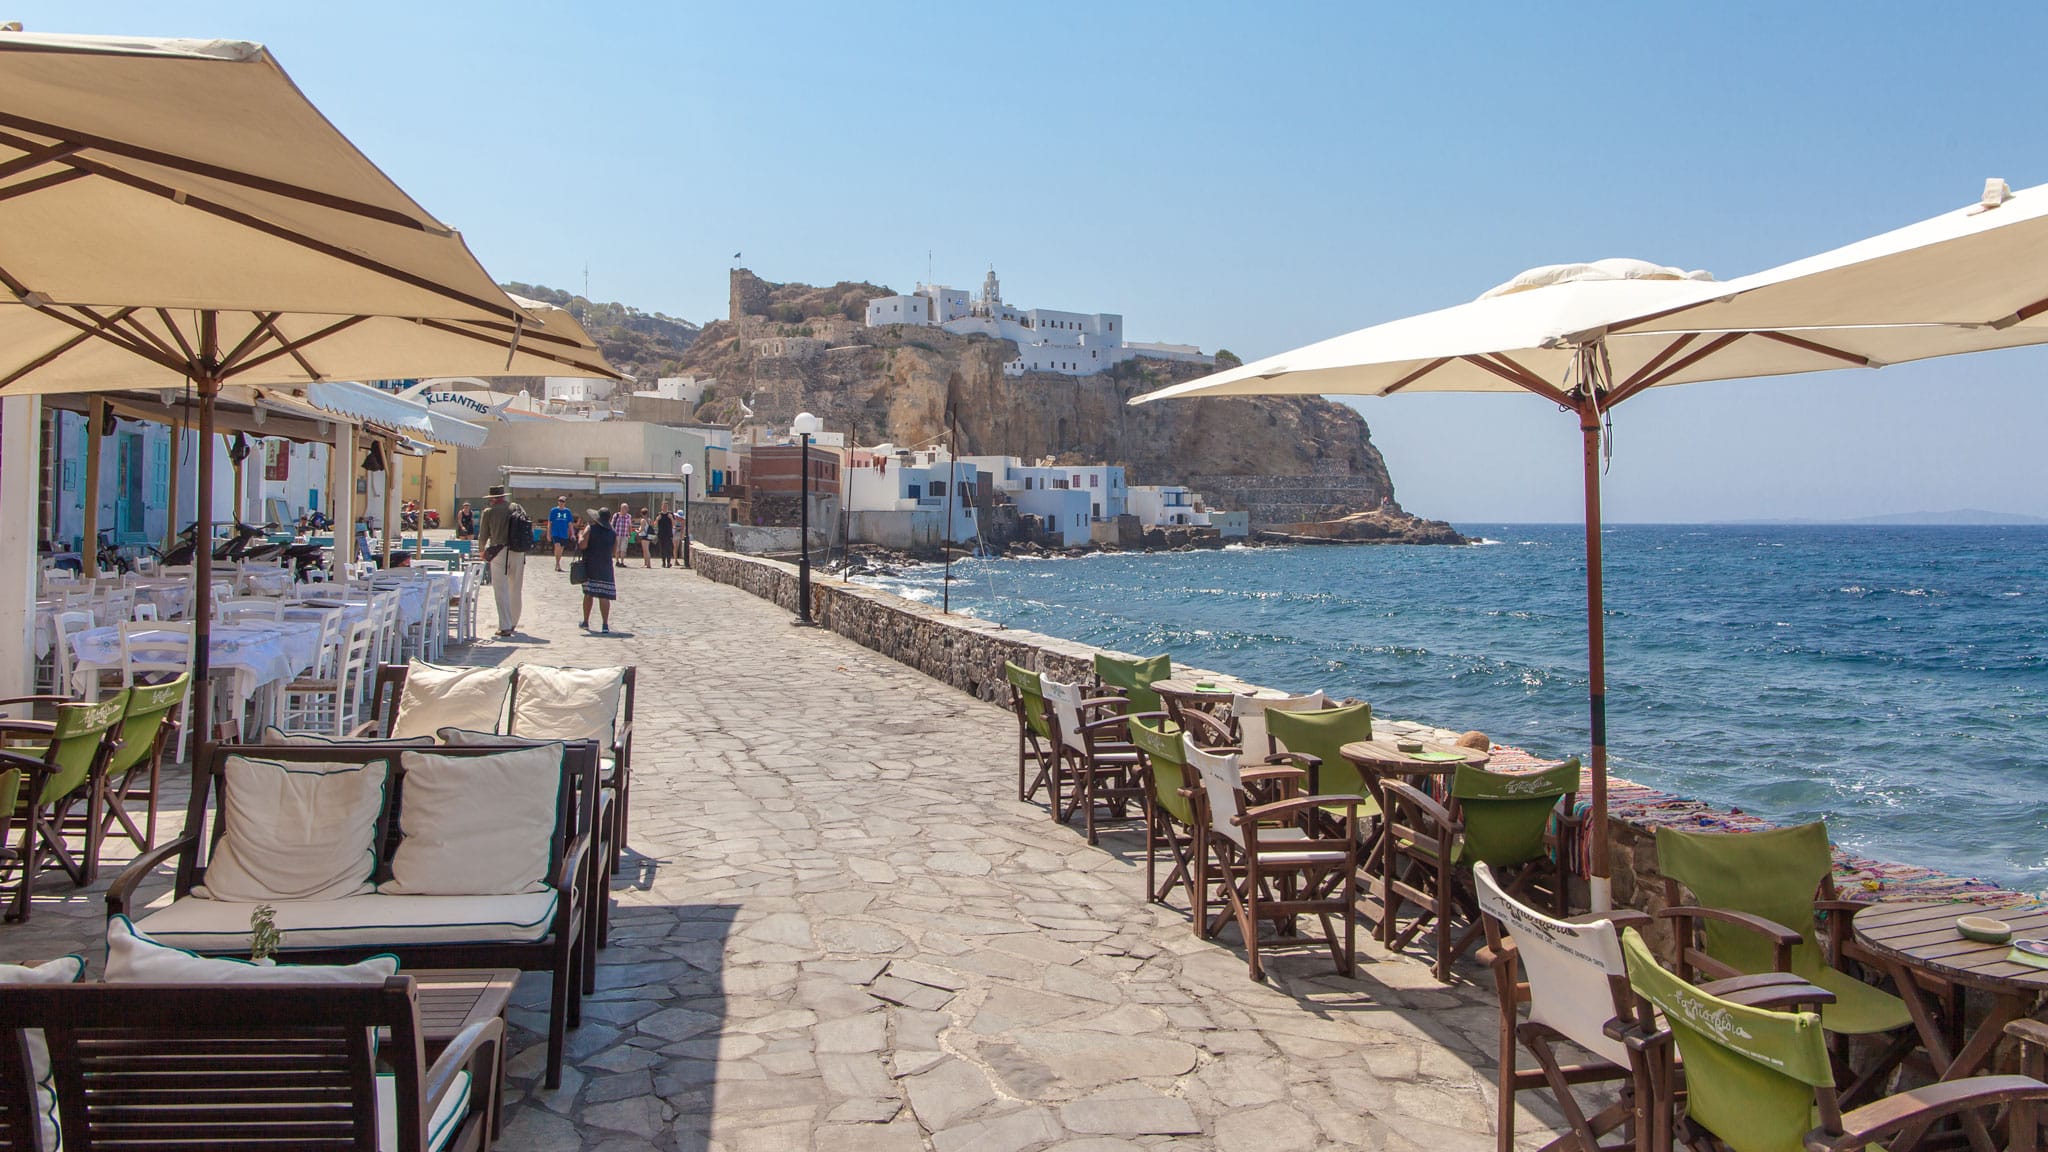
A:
991	291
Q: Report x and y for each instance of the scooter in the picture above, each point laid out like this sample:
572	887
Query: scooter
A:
411	519
186	549
111	558
235	547
305	558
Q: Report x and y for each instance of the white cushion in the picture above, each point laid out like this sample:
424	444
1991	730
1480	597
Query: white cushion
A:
477	825
440	1126
277	737
439	696
468	738
296	831
566	703
63	970
372	921
136	957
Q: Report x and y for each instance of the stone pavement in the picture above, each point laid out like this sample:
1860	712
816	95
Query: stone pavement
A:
838	929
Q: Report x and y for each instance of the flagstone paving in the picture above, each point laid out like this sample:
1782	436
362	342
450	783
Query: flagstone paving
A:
838	929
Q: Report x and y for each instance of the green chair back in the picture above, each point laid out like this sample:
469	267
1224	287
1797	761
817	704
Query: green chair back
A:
1321	733
1773	874
149	706
1750	1074
1029	685
10	790
75	744
1168	758
1135	677
1506	814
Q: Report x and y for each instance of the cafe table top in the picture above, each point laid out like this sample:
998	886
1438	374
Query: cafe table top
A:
1383	754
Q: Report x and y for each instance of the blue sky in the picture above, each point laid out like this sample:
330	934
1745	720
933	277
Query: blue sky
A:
1250	177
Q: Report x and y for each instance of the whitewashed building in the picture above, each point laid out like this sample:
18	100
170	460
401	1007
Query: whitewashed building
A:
900	498
1048	340
1167	506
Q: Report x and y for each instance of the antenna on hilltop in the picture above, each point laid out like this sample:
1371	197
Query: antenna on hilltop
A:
927	266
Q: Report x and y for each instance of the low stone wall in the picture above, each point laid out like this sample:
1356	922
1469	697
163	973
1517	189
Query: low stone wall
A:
968	654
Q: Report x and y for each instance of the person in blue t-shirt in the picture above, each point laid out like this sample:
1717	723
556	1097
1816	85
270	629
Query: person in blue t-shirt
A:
560	521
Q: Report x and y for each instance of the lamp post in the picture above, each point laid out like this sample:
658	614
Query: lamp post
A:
804	427
688	471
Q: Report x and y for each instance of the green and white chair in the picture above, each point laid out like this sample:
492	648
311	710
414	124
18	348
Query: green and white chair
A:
61	765
1036	748
1169	811
1132	678
135	767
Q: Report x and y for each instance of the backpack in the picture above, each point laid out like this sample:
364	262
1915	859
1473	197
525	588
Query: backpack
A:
518	532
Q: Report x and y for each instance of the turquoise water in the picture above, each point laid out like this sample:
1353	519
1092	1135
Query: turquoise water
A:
1893	681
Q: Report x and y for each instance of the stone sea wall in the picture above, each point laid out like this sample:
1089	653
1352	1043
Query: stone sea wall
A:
968	654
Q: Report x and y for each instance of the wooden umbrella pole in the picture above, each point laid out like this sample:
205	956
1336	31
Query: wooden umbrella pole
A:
208	385
1600	883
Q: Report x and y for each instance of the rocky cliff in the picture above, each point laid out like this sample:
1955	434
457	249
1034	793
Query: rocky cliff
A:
790	348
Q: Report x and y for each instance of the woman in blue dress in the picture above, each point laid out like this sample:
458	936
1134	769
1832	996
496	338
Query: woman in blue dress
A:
599	583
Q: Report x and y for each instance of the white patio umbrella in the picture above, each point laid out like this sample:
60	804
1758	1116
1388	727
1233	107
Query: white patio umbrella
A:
176	210
1562	332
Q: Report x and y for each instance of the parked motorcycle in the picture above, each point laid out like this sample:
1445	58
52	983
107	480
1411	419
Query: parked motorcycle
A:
186	549
411	519
111	558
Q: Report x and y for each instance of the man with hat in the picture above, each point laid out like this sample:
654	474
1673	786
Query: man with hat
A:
505	534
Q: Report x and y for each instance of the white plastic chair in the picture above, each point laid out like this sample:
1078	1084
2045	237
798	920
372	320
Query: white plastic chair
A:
143	610
155	651
63	661
254	609
1250	714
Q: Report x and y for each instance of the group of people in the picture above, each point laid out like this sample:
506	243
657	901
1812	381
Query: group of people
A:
598	540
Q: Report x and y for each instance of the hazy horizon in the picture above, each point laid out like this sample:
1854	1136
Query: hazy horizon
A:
1251	180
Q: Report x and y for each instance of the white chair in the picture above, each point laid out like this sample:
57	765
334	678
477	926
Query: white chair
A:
390	634
1574	980
178	572
115	604
63	661
155	651
333	702
1250	714
468	590
249	609
143	610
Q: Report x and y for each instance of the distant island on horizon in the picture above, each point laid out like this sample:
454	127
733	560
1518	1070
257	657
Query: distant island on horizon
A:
1954	518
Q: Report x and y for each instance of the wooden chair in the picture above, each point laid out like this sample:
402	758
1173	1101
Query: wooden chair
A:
63	661
1758	1078
1036	747
258	609
135	768
249	1066
1248	717
1756	899
1169	810
156	652
1131	678
1097	757
1271	864
64	771
332	698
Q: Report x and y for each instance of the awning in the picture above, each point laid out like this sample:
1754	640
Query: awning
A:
570	480
389	413
551	481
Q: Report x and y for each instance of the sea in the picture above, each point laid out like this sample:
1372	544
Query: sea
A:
1892	681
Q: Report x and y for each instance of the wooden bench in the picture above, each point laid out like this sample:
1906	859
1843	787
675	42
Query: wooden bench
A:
543	932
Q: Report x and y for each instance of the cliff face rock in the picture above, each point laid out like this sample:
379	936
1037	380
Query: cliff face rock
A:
1283	459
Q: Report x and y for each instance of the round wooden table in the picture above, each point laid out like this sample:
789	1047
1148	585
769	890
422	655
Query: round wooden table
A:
1910	940
1382	755
1183	692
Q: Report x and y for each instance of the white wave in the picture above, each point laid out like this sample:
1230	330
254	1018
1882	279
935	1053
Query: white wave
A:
1483	541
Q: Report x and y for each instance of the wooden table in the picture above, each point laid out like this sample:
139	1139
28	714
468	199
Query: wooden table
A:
1921	940
452	999
1382	756
1179	693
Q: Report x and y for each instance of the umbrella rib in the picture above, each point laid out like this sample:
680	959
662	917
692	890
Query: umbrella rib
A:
41	182
458	330
293	347
1822	349
37	157
1519	376
1657	361
47	357
107	328
1418	374
257	332
73	141
1641	382
279	231
171	325
524	334
133	323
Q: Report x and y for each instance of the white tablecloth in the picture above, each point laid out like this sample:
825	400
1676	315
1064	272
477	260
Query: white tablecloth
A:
256	653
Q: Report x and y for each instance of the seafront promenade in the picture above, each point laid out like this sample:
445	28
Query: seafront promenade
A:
838	929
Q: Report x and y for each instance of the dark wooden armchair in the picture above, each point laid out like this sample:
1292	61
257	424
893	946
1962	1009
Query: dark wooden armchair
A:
248	1066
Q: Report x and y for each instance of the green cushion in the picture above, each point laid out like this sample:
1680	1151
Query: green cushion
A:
1750	1074
149	706
1506	814
1167	758
1135	675
1320	733
1029	686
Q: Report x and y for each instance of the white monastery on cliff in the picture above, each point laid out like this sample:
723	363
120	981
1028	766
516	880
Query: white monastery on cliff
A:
1070	343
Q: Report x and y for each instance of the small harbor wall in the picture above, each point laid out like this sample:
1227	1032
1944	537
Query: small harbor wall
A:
968	654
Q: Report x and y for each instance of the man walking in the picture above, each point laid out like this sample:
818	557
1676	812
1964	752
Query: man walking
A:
506	535
622	528
561	525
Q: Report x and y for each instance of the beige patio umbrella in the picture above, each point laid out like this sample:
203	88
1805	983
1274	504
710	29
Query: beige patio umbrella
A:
176	211
1562	332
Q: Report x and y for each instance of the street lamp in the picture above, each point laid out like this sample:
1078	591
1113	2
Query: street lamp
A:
804	427
688	471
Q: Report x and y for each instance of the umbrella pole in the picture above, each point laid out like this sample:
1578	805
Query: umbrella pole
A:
202	558
391	466
1600	884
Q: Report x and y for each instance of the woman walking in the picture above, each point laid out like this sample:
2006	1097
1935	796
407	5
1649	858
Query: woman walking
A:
643	530
665	537
600	585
